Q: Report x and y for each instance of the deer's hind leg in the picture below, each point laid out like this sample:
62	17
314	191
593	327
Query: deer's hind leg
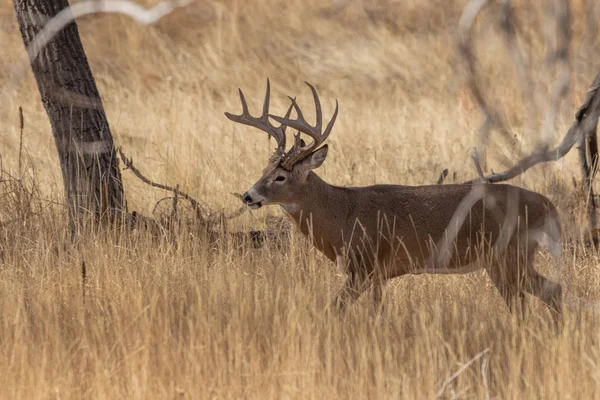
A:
507	272
546	290
514	276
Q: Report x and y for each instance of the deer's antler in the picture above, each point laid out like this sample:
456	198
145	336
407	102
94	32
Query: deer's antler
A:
299	150
262	122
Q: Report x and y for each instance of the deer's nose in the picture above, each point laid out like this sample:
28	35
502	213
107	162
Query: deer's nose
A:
246	198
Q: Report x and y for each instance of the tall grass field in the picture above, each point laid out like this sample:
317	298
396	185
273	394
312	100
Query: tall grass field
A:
182	317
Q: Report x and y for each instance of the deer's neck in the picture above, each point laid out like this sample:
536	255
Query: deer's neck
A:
314	210
312	200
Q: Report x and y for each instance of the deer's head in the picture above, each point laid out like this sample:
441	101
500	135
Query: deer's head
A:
284	178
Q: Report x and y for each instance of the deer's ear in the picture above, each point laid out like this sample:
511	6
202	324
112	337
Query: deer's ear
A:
315	159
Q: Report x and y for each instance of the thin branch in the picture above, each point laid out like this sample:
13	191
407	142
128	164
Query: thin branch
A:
83	281
560	58
196	206
493	118
440	257
175	201
129	165
475	158
133	10
143	16
586	120
455	375
484	378
510	32
21	128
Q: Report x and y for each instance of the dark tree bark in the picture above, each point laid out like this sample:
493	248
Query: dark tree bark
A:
588	161
83	139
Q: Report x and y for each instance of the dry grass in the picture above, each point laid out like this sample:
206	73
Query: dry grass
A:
190	320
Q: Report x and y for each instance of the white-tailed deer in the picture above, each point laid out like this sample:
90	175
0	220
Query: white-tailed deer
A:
380	232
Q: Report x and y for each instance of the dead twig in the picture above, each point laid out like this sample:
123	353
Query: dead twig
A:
475	158
455	375
83	281
484	378
21	126
196	206
202	213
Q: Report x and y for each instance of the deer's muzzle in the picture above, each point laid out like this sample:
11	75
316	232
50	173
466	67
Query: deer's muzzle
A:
250	202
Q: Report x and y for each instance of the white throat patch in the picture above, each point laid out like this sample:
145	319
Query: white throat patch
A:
289	208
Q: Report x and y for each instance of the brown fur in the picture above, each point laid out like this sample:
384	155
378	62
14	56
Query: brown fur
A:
385	231
380	232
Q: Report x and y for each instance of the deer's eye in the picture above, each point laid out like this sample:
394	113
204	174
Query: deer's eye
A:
280	178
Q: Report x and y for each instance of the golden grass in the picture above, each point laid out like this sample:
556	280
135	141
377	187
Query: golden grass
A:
187	320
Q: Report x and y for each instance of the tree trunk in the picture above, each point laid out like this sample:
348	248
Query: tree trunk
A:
588	161
83	139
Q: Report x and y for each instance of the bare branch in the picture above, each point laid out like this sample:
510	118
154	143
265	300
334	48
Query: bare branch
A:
455	375
143	16
196	206
133	10
442	253
21	127
493	118
509	28
484	378
560	58
586	120
475	158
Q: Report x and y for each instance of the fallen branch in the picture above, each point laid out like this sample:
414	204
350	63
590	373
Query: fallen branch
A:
211	217
194	203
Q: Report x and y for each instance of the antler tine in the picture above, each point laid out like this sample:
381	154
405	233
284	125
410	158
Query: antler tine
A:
244	104
262	122
317	106
331	122
267	99
298	151
287	115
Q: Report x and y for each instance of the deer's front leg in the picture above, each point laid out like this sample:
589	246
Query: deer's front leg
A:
378	286
356	283
349	293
